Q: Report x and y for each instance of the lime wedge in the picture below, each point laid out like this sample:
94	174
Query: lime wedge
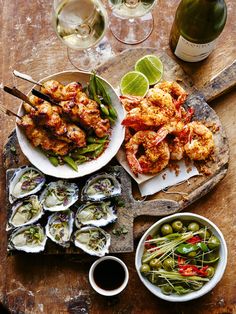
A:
134	83
151	66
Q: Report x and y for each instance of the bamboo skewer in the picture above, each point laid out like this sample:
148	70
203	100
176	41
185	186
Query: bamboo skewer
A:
26	77
9	112
47	98
17	93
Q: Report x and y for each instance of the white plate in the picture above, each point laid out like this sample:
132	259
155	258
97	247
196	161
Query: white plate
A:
39	160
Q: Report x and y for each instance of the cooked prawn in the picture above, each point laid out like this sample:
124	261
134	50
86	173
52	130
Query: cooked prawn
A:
177	92
155	157
159	98
130	102
201	143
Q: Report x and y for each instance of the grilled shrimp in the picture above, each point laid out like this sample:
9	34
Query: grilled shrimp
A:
153	159
201	143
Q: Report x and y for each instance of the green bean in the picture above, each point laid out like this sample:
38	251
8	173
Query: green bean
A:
54	161
70	161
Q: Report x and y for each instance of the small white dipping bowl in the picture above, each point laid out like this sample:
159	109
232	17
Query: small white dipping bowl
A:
208	286
108	293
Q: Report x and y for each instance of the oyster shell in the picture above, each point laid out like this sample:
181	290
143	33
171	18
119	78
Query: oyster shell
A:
59	227
25	212
59	195
24	182
30	239
100	187
92	240
95	213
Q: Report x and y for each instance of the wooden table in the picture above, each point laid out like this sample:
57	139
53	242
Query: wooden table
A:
52	284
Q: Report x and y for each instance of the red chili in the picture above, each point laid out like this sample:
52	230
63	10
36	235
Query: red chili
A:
202	272
181	260
149	245
188	270
195	239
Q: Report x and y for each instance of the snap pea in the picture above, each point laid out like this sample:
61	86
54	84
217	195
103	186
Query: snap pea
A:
95	140
101	89
88	149
98	151
70	162
54	161
81	159
104	109
112	112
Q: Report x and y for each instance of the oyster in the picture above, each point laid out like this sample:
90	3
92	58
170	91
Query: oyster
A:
25	181
59	227
95	213
59	195
92	240
30	239
26	212
100	187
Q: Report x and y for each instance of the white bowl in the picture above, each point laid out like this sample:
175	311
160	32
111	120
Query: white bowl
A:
108	293
39	160
219	271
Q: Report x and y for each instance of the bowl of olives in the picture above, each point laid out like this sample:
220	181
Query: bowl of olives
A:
181	257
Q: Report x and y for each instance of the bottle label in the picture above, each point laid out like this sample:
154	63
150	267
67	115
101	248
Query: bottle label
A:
191	52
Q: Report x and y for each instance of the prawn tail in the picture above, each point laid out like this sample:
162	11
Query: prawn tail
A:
161	135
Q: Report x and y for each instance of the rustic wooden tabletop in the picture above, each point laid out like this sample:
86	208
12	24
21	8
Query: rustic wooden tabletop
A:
59	284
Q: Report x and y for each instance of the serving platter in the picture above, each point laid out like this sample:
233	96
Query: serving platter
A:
175	198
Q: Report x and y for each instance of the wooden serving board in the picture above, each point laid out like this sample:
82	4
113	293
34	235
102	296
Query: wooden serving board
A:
172	200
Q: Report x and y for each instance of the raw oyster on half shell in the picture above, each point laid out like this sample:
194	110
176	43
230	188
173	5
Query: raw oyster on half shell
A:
100	187
25	212
59	195
92	240
30	239
59	227
24	182
95	213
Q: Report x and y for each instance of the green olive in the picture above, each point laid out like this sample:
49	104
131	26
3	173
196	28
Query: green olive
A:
155	263
166	289
145	269
168	264
204	234
166	229
192	254
193	226
213	242
210	271
177	225
153	278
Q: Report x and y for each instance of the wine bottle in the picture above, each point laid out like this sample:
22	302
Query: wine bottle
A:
196	26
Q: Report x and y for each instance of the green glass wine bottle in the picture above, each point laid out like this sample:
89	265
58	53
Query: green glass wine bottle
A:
196	26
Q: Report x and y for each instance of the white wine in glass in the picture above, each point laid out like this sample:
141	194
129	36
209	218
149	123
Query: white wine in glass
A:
81	25
131	20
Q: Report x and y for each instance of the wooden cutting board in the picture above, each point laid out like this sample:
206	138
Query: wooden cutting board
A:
172	200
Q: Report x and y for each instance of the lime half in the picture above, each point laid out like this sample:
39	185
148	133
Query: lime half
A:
151	66
134	83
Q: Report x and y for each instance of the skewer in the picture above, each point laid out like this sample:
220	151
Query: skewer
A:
47	98
26	77
15	92
9	112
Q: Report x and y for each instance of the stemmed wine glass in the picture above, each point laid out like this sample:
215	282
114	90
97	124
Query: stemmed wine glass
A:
81	26
131	20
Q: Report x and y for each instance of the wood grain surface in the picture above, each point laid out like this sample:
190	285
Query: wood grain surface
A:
60	285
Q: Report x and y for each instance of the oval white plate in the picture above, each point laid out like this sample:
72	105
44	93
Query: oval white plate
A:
39	160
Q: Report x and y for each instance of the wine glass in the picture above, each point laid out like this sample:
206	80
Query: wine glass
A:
131	20
81	26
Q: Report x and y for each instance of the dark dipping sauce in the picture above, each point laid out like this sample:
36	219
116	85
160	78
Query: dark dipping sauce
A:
109	275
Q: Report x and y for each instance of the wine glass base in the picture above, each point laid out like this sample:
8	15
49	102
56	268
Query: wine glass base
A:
89	59
132	31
